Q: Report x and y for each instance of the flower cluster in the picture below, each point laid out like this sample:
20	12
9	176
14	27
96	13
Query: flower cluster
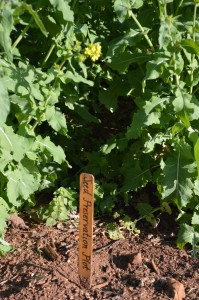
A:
93	51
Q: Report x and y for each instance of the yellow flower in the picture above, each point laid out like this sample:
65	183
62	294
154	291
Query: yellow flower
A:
93	51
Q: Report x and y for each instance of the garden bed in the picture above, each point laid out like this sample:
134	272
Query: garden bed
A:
136	267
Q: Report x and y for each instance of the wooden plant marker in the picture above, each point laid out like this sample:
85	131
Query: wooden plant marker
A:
86	212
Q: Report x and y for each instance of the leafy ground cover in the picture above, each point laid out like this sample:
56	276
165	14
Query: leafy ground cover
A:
105	87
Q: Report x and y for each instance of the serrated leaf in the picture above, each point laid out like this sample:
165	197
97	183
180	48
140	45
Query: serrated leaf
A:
187	234
15	144
114	232
149	114
55	151
122	7
20	184
56	120
186	106
190	46
4	102
195	218
177	178
157	139
63	7
36	17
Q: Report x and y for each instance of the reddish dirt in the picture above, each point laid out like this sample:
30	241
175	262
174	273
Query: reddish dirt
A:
137	267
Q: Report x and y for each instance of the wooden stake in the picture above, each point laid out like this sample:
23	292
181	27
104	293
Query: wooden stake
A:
86	212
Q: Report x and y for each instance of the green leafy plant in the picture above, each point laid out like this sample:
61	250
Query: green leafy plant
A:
105	87
59	209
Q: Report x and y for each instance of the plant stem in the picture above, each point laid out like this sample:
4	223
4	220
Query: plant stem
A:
151	212
48	54
178	7
194	39
20	37
74	3
142	30
49	95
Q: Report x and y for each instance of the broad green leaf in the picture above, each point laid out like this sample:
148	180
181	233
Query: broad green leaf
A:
69	76
153	118
187	234
168	32
144	209
177	178
134	176
7	26
85	114
146	116
195	218
121	62
56	120
109	97
190	46
20	184
4	102
154	68
36	17
118	45
63	7
16	145
185	106
122	7
136	127
164	36
4	208
158	139
45	145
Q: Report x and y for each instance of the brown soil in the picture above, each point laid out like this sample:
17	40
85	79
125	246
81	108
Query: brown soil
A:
44	265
